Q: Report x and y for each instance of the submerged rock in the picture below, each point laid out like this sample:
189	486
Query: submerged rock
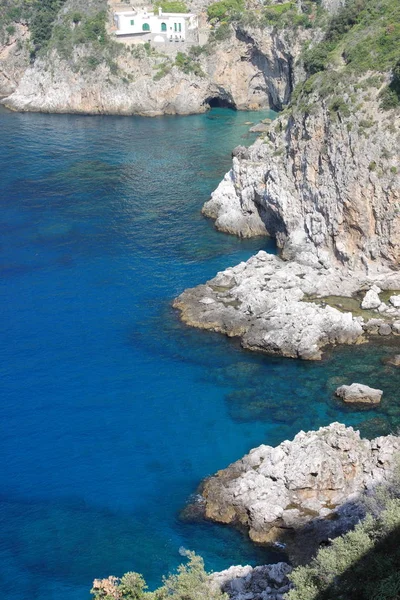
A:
357	393
259	128
394	360
290	490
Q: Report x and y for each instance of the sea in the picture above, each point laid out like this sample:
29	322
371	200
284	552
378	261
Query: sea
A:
112	411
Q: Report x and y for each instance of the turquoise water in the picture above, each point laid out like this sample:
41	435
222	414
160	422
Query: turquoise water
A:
112	411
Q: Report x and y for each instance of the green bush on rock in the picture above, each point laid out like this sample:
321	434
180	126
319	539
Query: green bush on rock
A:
224	9
171	6
190	582
363	564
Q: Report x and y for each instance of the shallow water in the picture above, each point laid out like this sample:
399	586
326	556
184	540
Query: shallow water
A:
112	411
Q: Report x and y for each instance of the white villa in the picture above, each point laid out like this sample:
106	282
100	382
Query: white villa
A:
156	26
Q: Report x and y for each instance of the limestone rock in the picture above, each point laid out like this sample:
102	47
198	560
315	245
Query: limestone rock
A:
395	301
259	128
310	183
371	299
253	583
357	393
317	470
252	69
394	360
264	302
385	329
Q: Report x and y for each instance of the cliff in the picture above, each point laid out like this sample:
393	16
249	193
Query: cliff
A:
324	181
82	68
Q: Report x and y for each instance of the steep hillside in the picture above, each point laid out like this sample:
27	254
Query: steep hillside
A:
325	179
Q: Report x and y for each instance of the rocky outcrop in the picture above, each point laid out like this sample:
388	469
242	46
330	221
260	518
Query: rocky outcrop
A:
357	393
265	302
14	58
267	582
313	481
325	182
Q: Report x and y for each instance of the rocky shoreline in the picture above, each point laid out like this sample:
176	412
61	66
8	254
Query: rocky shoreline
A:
302	492
265	303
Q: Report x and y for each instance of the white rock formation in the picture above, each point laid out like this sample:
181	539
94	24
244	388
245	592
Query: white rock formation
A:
318	473
395	301
371	299
357	393
267	582
311	180
264	302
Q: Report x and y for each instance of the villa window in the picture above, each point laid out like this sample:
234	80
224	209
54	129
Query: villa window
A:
179	26
145	27
132	22
175	27
163	27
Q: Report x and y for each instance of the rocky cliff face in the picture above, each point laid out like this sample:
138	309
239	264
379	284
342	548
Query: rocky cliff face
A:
311	483
324	182
253	69
81	71
14	58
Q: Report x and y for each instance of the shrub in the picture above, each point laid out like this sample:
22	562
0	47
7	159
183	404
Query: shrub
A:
76	17
190	582
94	28
224	9
362	564
186	64
132	586
223	32
42	22
316	58
338	105
171	6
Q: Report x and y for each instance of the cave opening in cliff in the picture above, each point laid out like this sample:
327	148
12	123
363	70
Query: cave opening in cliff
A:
218	102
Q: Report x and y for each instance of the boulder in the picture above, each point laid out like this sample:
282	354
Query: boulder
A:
371	299
385	329
395	301
357	393
259	128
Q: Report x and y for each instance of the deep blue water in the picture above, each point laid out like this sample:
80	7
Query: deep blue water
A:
112	411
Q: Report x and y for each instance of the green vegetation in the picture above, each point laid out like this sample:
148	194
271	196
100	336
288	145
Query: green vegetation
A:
365	35
171	6
285	15
162	70
224	9
187	64
222	32
42	22
40	15
189	583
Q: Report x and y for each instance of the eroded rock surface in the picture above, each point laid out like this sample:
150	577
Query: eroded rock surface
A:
264	302
252	69
319	183
267	582
313	481
357	393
